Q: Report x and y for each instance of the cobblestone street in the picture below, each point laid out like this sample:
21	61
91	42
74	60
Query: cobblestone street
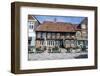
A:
55	56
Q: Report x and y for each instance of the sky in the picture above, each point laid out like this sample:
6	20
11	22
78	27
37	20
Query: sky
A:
68	19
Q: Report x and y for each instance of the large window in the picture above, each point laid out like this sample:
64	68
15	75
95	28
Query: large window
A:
41	42
56	42
29	40
83	26
67	35
67	41
80	43
43	35
30	24
84	34
78	34
49	42
72	41
58	35
48	35
38	35
53	35
53	42
86	43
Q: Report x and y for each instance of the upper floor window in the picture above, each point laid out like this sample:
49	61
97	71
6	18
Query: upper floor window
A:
49	35
58	35
72	42
29	40
44	35
30	26
67	35
84	33
38	35
78	34
67	41
83	26
53	35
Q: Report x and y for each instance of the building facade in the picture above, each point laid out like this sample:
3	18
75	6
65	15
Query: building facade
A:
32	24
62	35
51	34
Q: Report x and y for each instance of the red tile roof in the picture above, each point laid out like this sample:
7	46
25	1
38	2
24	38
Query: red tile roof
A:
56	27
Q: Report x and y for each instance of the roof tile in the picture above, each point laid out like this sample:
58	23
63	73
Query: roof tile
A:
56	27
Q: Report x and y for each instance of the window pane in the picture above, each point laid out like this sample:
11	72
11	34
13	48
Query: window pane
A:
38	35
